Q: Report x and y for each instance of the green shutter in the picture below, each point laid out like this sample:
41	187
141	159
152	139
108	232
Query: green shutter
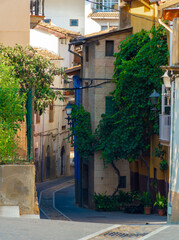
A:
109	110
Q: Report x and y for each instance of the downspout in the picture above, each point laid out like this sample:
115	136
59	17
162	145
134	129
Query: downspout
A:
69	49
165	25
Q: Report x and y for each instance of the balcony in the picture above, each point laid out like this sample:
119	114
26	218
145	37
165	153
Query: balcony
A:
105	5
36	12
164	129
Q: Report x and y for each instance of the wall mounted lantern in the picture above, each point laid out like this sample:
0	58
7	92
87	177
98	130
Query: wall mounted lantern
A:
68	109
166	80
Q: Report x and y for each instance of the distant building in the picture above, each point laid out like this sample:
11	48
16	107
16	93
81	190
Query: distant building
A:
82	16
51	144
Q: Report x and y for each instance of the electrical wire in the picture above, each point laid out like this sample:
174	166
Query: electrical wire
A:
80	88
117	10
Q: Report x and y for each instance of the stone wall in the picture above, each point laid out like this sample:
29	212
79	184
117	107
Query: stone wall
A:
17	188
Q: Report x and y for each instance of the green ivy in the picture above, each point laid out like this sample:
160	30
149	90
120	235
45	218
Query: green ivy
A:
81	128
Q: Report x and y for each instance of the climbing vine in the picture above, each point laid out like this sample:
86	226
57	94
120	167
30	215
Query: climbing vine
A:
126	134
82	136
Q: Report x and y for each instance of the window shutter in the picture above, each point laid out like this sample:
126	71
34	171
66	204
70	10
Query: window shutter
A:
109	105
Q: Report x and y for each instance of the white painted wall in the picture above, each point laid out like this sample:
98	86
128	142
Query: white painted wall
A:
51	43
44	40
60	12
92	26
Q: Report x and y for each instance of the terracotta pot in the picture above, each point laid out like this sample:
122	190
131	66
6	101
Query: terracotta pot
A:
161	212
147	210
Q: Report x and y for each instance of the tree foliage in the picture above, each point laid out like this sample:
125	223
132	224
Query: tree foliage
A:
12	111
81	130
33	71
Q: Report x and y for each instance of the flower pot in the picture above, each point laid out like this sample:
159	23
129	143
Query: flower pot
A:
147	210
161	212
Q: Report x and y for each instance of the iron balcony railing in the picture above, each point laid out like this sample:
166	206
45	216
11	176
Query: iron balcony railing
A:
105	5
164	127
37	7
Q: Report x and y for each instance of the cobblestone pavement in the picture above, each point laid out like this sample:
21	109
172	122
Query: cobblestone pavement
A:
46	201
127	232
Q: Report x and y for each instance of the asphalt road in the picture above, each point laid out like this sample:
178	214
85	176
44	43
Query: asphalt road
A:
65	202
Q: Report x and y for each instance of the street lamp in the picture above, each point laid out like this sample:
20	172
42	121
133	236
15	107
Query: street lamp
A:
154	99
68	109
166	80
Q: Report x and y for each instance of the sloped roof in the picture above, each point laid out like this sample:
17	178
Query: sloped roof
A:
104	15
46	54
102	34
57	31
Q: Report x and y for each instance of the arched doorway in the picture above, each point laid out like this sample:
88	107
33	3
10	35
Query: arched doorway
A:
62	161
48	162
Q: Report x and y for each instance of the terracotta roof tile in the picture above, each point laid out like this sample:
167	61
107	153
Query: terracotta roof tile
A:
46	54
101	15
111	29
57	29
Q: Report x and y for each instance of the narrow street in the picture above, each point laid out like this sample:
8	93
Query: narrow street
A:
57	202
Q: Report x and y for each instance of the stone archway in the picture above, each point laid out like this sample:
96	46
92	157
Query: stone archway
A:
48	163
63	161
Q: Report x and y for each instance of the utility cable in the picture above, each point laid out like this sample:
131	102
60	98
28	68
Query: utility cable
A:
117	10
97	85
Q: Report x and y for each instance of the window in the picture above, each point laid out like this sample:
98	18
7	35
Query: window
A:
110	108
105	5
37	117
109	48
122	183
47	21
87	53
74	22
155	173
103	28
51	112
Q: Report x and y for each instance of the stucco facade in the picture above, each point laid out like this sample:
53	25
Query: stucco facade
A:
100	179
51	143
14	29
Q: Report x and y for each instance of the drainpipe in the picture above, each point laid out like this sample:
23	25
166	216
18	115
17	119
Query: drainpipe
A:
165	25
71	51
42	165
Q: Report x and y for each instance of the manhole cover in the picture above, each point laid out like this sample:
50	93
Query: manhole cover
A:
123	235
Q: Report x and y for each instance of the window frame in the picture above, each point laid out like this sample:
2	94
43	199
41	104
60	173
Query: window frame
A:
74	20
107	54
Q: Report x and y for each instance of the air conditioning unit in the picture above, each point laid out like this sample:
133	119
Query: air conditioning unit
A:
175	53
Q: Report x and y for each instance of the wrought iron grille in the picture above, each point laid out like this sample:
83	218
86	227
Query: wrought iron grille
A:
37	7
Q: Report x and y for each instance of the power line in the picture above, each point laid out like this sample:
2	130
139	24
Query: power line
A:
117	10
80	88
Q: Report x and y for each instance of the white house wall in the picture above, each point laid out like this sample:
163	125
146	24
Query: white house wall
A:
60	12
95	25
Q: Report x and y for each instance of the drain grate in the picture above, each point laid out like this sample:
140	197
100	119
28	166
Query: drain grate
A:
123	235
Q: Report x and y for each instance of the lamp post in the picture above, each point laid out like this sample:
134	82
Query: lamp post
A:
68	109
154	99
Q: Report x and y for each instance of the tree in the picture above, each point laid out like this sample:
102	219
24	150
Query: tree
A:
33	71
126	135
12	111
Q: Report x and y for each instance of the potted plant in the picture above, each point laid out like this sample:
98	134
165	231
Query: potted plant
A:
161	203
147	202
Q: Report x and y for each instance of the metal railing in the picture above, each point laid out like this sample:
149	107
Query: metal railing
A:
104	5
164	127
37	7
